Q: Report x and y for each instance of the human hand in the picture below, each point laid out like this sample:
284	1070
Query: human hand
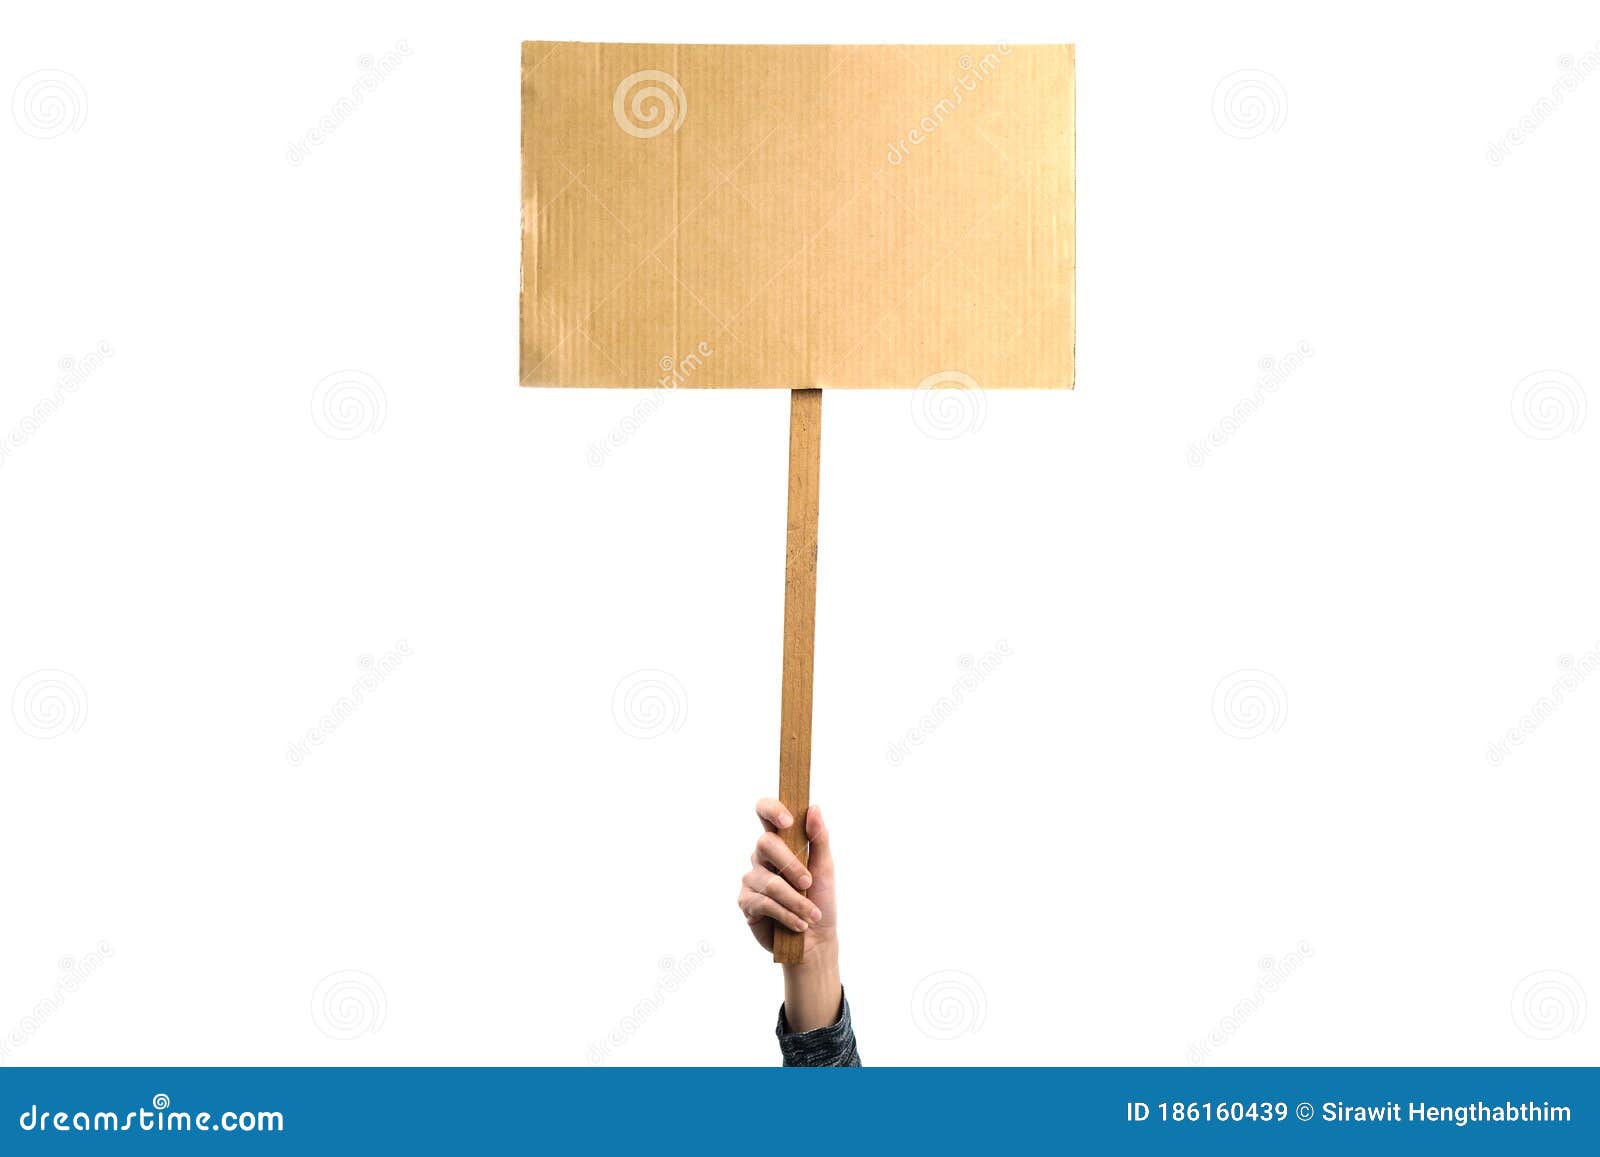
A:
770	892
769	895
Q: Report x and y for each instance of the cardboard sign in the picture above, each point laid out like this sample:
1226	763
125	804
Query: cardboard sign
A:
797	217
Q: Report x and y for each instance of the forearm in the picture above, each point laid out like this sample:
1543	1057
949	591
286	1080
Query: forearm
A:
811	989
814	1029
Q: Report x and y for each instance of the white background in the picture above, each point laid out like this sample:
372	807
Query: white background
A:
1399	549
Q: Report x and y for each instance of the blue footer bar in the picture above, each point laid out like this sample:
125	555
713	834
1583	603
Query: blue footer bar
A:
873	1110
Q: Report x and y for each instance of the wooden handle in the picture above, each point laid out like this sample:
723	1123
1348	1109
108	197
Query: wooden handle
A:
799	636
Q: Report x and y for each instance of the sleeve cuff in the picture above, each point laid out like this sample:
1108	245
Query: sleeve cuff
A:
831	1047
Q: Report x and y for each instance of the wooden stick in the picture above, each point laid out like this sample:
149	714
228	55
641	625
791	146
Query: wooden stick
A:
799	636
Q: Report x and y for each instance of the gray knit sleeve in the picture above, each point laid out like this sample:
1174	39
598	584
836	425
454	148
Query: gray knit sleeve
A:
833	1047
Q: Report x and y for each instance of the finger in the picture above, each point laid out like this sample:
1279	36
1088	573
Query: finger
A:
771	850
764	883
764	931
755	907
774	816
821	849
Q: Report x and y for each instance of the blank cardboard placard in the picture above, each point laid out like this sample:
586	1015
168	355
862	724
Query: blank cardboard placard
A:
797	216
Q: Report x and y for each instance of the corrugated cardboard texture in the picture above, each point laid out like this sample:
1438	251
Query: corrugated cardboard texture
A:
716	215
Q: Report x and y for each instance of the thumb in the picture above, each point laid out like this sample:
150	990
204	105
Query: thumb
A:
821	862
